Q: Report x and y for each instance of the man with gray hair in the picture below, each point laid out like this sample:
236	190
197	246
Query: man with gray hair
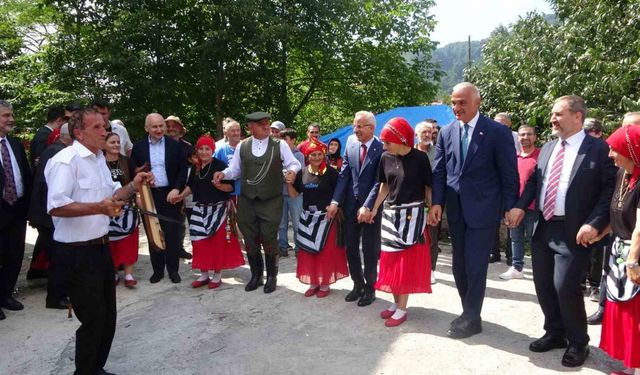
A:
356	192
15	185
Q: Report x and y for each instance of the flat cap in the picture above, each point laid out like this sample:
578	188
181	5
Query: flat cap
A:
278	125
257	116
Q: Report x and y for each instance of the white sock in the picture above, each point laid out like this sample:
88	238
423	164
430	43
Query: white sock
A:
393	307
204	275
398	314
637	371
217	276
324	288
128	277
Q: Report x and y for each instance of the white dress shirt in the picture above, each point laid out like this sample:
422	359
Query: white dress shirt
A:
157	160
570	154
17	174
259	147
76	174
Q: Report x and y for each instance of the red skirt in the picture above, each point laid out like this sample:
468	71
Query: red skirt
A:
407	271
125	250
620	336
325	267
215	253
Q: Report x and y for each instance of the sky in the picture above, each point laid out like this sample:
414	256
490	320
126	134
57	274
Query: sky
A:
457	19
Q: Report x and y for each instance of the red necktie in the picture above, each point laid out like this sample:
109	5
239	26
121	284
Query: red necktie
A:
552	187
10	194
363	153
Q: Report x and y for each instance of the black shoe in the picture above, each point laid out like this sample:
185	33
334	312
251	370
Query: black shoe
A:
61	304
547	342
367	298
104	372
494	258
464	328
254	283
596	317
175	277
11	303
271	261
575	355
270	285
456	322
186	255
284	253
2	316
156	277
354	294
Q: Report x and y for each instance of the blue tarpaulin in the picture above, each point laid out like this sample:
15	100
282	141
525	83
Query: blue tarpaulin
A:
439	112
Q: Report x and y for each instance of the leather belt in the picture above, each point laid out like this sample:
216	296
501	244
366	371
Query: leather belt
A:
557	218
96	241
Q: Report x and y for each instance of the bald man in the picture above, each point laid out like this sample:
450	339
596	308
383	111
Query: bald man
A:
166	159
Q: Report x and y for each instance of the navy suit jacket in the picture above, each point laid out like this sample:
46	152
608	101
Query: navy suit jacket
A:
174	160
590	189
25	173
358	185
484	186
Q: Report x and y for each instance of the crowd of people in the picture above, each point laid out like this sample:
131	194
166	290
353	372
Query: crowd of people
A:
371	209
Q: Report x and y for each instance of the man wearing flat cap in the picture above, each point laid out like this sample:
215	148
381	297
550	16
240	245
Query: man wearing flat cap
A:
276	128
259	161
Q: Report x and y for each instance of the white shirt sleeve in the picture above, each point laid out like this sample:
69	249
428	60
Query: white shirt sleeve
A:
232	172
60	182
288	160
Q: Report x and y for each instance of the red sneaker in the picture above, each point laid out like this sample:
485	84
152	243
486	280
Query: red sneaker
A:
395	322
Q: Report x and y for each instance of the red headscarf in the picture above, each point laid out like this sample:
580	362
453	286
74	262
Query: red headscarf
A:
626	142
205	140
397	130
316	145
53	137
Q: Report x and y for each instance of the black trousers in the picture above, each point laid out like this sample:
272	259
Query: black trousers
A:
172	232
370	235
13	229
558	270
89	274
598	249
55	284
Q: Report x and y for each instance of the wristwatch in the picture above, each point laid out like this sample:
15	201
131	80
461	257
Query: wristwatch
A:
632	265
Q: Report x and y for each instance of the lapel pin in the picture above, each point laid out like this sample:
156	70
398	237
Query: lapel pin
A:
481	133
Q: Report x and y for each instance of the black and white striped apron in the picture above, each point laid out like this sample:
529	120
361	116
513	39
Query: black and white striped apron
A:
313	230
123	225
619	287
402	225
206	219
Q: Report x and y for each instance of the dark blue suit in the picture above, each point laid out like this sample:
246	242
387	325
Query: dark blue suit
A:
476	192
358	187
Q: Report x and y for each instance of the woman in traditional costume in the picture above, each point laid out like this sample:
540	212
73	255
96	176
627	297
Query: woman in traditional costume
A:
323	259
334	158
405	189
215	245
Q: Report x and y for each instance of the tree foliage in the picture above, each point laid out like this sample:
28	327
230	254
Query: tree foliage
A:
302	61
592	51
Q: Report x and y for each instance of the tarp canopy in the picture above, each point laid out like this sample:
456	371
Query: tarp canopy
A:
439	112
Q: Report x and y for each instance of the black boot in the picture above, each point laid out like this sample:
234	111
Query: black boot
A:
272	272
257	267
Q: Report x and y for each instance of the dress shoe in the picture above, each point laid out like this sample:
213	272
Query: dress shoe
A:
199	283
395	322
547	342
61	304
354	294
104	372
11	303
185	254
270	284
213	285
323	293
130	283
575	355
156	277
494	258
311	291
386	313
367	298
596	317
175	277
2	316
284	252
465	328
254	283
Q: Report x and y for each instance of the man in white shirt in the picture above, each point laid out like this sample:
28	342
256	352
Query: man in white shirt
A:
81	198
260	161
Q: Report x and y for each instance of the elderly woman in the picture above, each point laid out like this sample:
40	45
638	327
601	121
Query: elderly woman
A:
123	230
620	336
405	186
323	259
334	157
215	245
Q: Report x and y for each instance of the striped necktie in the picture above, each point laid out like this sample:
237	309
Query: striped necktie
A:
552	187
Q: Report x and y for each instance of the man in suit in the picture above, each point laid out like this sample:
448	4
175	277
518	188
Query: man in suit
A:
15	184
55	118
166	160
475	174
572	185
356	192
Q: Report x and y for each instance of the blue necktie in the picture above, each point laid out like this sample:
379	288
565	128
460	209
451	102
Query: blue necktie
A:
464	142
